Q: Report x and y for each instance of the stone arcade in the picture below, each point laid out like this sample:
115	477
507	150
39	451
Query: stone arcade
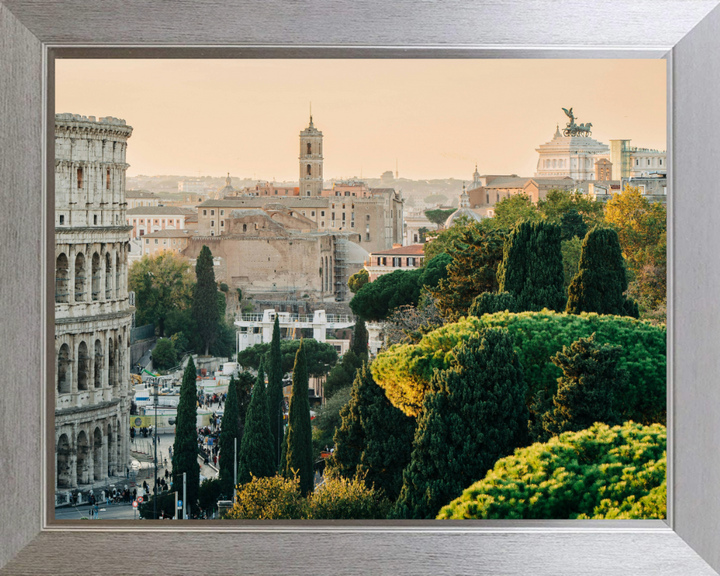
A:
92	309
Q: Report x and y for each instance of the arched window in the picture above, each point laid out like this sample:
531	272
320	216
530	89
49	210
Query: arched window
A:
80	277
309	148
63	369
63	462
111	362
97	372
117	276
82	472
108	276
96	277
83	366
107	179
61	278
79	178
308	170
97	454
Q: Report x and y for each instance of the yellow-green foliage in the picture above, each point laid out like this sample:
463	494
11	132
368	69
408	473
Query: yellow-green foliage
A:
271	498
600	472
405	370
278	498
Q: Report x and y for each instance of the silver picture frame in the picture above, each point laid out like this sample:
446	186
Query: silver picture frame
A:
34	33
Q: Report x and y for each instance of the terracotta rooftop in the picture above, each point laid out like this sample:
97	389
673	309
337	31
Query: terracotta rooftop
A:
158	211
167	233
412	250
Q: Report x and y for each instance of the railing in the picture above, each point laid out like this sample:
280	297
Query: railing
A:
142	333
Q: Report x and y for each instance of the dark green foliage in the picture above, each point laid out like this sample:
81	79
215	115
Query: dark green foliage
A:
376	299
165	503
283	453
204	307
438	217
491	302
597	473
586	390
327	420
210	492
299	436
360	340
321	356
601	282
225	343
164	355
229	432
275	388
256	456
474	414
571	250
435	270
358	280
224	287
405	371
375	438
184	456
342	374
475	255
532	267
513	210
559	202
572	225
243	391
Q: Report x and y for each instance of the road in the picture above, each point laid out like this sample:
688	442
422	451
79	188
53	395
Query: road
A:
112	512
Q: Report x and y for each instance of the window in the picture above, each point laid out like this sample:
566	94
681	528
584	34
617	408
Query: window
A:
156	241
107	179
367	217
163	221
62	219
322	224
142	232
322	213
352	224
156	221
212	212
347	193
367	236
311	213
660	161
309	148
411	261
95	219
637	162
343	216
648	161
276	193
79	178
303	212
222	223
308	170
343	206
244	227
333	216
204	212
164	242
212	222
222	212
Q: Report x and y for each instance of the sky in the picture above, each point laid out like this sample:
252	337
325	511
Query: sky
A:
436	118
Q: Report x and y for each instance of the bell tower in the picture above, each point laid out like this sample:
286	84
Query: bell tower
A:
311	160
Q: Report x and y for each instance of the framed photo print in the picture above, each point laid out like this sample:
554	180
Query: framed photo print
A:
361	289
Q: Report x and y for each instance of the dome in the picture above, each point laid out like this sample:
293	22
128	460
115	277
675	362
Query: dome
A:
356	254
226	191
459	213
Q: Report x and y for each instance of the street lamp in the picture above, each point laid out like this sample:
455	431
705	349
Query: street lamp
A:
155	404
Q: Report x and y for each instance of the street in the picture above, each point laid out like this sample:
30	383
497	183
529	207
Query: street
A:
112	512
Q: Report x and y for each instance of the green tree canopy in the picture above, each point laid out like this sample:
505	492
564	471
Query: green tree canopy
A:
185	449
532	267
600	284
557	203
162	284
164	355
572	225
327	420
474	414
376	299
321	356
374	439
205	300
342	374
491	302
598	473
514	209
360	340
405	371
358	280
438	217
586	390
475	254
256	457
299	435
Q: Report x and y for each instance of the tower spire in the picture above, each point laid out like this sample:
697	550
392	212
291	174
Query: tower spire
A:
311	114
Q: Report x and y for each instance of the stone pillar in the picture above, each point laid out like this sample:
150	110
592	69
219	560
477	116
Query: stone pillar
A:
72	460
105	451
72	253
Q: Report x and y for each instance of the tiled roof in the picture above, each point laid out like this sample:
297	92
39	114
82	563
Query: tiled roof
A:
412	250
140	194
158	211
170	234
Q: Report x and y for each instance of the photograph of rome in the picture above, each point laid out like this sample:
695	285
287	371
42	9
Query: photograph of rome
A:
360	289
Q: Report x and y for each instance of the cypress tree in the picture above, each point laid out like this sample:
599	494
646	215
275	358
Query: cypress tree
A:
491	302
283	453
299	434
185	447
243	393
601	282
360	340
229	432
573	225
375	438
585	393
256	455
532	267
205	309
275	389
474	415
342	374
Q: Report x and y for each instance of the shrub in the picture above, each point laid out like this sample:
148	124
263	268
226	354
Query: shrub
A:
165	503
600	472
405	370
347	499
164	354
271	498
491	302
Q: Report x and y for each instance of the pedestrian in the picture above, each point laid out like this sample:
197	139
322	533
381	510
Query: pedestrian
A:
96	511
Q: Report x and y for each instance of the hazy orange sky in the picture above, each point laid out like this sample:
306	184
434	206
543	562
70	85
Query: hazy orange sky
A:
437	117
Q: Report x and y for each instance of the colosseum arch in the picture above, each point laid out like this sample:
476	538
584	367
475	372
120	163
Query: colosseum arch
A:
63	463
61	279
80	277
82	466
83	366
108	276
120	359
111	450
97	454
111	361
63	370
117	275
97	372
95	277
